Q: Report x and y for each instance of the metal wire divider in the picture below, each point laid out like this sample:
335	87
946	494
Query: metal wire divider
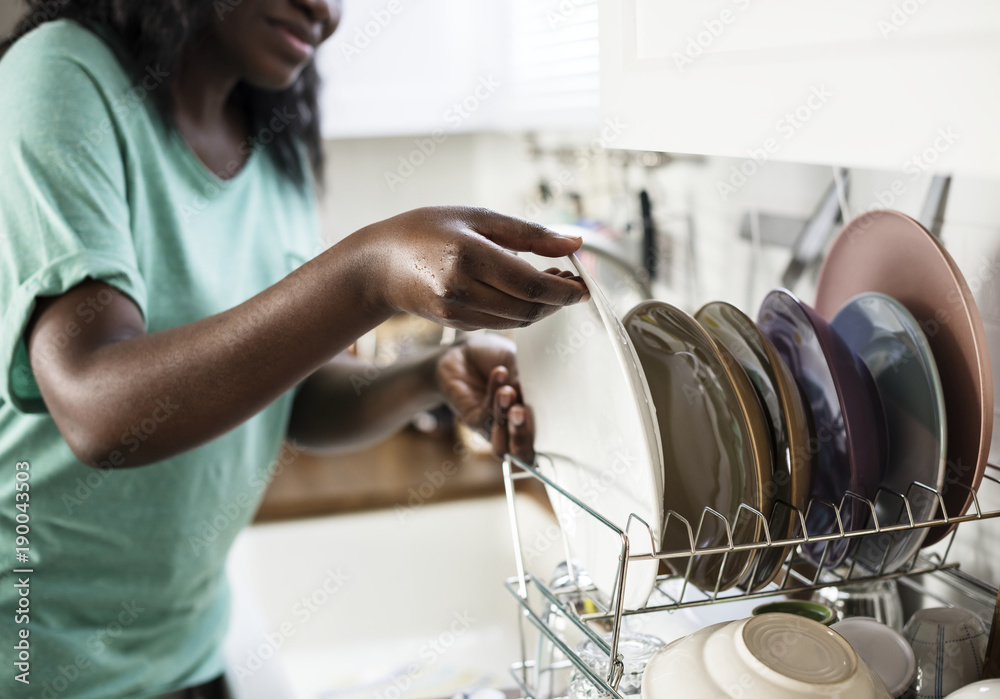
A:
797	574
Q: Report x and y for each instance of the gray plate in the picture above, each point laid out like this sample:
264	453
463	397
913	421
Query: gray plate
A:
891	344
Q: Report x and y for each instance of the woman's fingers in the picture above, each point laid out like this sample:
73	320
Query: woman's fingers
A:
518	234
477	305
521	433
503	400
480	411
513	429
490	300
499	376
518	278
436	262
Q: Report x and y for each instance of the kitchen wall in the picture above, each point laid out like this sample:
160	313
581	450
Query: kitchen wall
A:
372	179
10	12
707	258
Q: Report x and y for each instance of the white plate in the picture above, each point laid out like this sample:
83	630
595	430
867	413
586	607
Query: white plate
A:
883	648
594	417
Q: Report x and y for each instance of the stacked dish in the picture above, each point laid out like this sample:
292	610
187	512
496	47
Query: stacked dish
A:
716	431
770	656
724	460
889	253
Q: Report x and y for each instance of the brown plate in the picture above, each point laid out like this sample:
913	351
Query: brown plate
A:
716	449
787	421
890	253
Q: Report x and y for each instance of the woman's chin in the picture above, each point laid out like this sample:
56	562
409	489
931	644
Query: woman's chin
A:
275	76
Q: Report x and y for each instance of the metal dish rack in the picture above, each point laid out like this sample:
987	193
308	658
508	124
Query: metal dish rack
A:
928	575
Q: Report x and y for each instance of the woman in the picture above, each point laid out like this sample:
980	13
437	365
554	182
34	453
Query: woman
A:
157	216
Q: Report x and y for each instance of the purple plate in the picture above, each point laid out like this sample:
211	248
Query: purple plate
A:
848	426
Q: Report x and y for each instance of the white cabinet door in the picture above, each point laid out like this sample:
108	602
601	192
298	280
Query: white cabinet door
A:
906	85
398	67
404	67
553	65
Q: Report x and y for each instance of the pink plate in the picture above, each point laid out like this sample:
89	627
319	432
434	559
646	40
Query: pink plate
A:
890	253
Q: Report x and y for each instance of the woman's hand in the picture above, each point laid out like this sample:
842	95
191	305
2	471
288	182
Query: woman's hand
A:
479	379
452	265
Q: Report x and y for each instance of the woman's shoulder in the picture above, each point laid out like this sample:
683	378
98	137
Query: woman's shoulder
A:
69	44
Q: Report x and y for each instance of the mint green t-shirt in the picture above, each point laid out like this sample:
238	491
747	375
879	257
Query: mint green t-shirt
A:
127	594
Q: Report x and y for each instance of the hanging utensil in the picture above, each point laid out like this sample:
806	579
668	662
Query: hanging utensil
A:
817	231
932	215
649	247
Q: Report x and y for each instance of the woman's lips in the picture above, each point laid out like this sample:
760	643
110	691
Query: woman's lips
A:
294	39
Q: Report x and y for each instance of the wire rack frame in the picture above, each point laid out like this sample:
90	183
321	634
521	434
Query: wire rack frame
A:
797	574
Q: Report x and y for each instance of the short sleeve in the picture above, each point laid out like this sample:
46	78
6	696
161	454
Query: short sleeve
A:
64	212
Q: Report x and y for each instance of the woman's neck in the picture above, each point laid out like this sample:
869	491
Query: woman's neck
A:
203	112
204	83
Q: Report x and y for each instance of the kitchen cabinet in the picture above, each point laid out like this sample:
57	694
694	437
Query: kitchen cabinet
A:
433	67
397	67
904	85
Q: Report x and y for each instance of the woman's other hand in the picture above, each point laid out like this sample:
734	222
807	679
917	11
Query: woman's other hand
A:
479	379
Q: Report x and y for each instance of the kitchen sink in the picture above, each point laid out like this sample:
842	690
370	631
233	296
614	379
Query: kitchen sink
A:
405	602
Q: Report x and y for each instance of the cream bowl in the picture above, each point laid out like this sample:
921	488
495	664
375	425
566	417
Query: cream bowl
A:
987	689
769	656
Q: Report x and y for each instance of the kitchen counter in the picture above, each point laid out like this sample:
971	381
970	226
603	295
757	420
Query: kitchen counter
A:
407	470
405	604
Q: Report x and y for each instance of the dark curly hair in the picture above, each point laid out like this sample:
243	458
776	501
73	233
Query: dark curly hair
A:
158	31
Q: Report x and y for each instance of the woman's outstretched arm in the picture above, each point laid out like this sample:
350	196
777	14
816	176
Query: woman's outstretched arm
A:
448	264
